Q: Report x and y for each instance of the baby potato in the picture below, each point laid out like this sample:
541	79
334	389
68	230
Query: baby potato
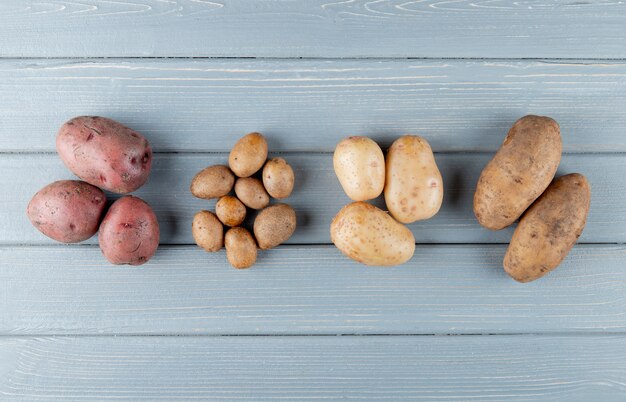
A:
251	192
413	186
207	231
105	153
278	178
549	228
230	211
519	172
370	236
212	182
129	233
274	225
68	211
360	167
248	155
241	248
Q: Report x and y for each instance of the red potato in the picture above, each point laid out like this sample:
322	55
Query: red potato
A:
68	211
129	233
105	153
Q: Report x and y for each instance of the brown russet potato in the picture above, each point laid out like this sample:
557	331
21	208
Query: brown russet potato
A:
274	225
251	192
248	155
359	164
278	178
212	182
207	231
230	211
241	249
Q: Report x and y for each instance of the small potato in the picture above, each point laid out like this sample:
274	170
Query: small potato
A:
68	211
207	231
241	249
278	178
519	172
230	211
548	230
248	155
370	236
413	187
129	233
212	182
105	153
251	192
360	167
274	225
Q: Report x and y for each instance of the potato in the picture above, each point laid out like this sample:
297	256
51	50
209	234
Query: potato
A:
230	211
370	236
212	182
360	167
278	178
274	225
248	155
105	153
519	172
251	192
413	186
129	233
68	211
548	230
207	231
241	249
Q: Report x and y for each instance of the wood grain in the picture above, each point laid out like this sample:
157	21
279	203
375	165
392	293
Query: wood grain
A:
309	105
313	28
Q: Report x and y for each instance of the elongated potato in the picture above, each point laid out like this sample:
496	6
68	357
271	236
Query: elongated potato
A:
519	172
548	230
278	178
370	236
413	187
212	182
360	167
207	231
248	155
241	249
251	192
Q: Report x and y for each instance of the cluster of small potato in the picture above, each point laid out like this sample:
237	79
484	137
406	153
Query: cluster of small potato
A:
272	226
413	190
104	154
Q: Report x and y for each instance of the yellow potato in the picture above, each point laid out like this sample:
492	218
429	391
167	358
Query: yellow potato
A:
241	250
370	236
251	192
413	187
230	211
278	178
212	182
248	155
360	167
207	231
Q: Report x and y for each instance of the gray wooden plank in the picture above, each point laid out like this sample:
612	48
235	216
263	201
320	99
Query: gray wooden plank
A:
317	197
312	28
301	290
309	105
494	368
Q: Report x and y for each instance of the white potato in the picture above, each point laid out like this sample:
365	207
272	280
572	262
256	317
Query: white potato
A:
360	167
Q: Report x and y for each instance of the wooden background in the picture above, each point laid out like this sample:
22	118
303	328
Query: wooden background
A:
306	322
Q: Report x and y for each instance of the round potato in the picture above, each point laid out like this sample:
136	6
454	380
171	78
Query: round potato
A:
241	249
248	155
207	231
68	211
212	182
278	178
360	167
370	236
413	187
519	172
230	211
251	192
105	153
274	225
548	230
129	233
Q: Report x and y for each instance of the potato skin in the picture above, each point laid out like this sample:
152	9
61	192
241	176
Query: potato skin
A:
274	225
105	153
413	186
370	236
207	231
251	192
248	155
519	172
68	211
129	233
359	164
548	230
212	182
278	178
230	211
241	250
